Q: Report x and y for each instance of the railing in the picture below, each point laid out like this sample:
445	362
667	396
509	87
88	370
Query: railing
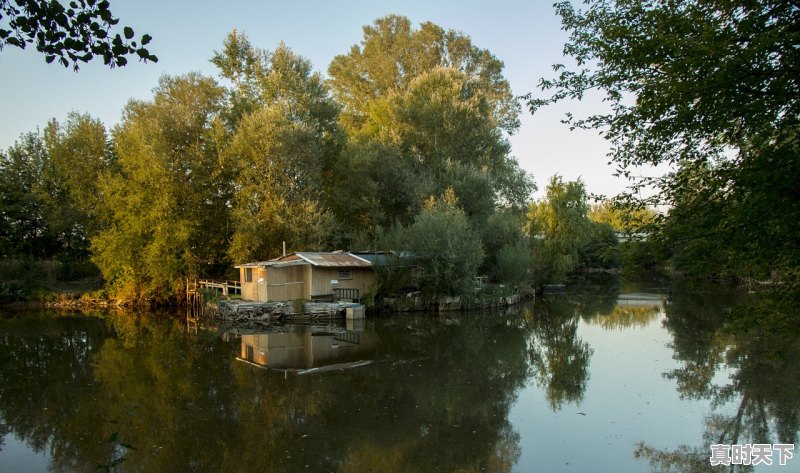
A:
346	293
227	287
348	337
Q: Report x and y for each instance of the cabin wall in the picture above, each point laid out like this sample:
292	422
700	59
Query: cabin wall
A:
286	283
361	279
251	290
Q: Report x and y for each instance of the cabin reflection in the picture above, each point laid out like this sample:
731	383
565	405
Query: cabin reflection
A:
302	347
642	299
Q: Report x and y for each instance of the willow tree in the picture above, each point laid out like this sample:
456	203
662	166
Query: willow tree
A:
559	229
284	148
166	203
712	89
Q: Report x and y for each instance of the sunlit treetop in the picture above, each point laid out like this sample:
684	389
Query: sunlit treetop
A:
70	34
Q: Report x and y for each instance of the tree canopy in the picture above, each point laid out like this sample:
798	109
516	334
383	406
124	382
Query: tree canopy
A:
710	88
165	203
392	55
72	34
213	172
559	229
425	111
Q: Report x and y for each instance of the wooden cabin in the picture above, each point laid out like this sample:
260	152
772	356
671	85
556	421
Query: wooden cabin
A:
307	275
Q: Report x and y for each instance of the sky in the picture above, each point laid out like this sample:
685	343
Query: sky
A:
525	35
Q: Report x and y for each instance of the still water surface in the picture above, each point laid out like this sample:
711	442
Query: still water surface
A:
610	376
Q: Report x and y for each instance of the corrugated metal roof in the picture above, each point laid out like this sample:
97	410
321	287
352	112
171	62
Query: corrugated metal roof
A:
326	259
257	264
334	259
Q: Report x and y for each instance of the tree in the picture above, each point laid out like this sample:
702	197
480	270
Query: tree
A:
711	88
166	204
559	229
445	247
621	218
78	155
72	34
392	55
425	110
508	255
285	147
48	190
24	230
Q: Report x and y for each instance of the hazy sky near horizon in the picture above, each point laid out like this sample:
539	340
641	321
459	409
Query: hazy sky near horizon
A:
525	35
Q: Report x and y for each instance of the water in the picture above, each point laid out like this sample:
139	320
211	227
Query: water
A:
608	376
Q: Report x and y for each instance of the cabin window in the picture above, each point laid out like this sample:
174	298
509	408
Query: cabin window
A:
345	274
248	274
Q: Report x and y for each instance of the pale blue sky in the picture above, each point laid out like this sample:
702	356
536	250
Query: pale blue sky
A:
525	35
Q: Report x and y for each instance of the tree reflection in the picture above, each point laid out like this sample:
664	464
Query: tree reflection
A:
559	357
750	376
129	393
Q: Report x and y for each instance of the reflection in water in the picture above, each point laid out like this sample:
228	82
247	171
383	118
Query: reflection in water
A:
296	347
127	393
751	377
559	358
151	398
631	310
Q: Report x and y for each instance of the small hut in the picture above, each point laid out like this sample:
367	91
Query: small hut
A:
312	276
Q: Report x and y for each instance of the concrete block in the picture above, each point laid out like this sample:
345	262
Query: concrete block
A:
355	313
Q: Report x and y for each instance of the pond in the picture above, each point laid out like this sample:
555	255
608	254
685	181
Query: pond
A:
610	375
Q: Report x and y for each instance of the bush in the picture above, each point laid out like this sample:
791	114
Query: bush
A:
446	248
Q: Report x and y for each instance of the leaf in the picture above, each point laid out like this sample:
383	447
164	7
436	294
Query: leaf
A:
50	58
128	32
13	41
146	39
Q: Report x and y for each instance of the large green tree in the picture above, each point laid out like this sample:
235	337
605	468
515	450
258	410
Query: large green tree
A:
560	229
712	89
425	111
285	146
24	230
392	54
167	202
446	249
78	154
48	190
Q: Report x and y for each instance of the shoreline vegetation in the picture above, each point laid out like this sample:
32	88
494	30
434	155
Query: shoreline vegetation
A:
403	149
89	299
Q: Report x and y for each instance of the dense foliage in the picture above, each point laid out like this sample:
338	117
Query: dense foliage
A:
212	172
709	88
